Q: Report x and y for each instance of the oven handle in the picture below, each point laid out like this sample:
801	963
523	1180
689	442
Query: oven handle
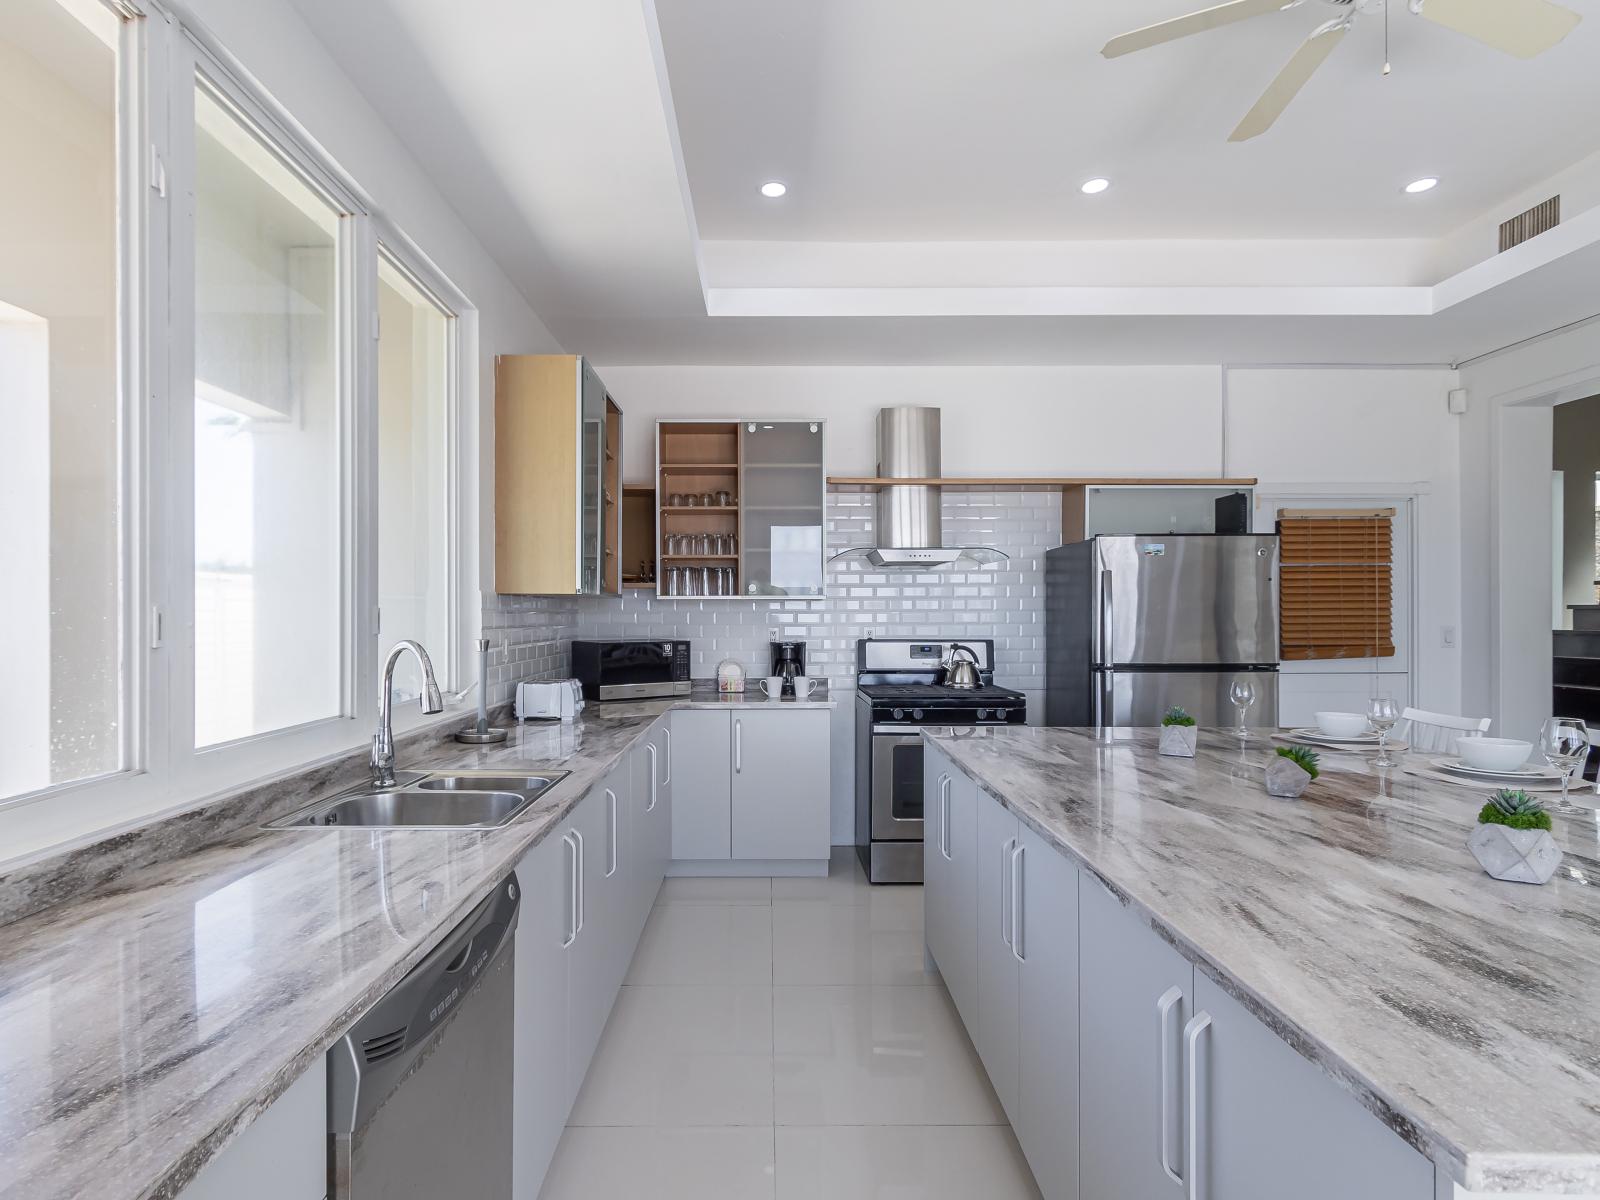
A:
911	731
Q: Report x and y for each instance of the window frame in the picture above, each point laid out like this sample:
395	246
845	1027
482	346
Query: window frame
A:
163	53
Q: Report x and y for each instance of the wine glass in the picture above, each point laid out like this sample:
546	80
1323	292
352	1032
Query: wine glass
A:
1243	695
1382	713
1564	742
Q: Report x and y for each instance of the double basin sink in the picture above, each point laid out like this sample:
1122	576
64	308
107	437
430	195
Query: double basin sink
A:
461	800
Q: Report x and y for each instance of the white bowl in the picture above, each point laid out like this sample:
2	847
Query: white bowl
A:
1342	724
1493	754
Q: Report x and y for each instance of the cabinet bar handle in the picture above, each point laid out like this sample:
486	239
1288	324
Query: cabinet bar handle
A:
949	786
1198	1024
1018	932
1005	891
667	729
582	870
1166	1033
611	833
572	891
651	746
738	746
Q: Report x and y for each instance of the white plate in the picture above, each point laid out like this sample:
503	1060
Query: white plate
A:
1454	766
1317	740
1312	734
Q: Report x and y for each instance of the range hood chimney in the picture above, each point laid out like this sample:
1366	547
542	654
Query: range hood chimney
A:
908	532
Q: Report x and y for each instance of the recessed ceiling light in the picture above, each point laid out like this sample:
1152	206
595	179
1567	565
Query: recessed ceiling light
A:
1422	185
1093	187
772	189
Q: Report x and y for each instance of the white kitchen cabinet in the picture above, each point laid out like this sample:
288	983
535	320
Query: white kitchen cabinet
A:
997	1035
781	787
950	875
601	949
702	789
1269	1124
281	1155
1045	935
1134	997
651	835
542	1091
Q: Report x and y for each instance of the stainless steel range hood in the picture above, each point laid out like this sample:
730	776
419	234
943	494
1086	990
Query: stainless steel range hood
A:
908	532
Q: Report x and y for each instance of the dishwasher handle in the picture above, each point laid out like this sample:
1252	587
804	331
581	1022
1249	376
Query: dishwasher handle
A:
383	1044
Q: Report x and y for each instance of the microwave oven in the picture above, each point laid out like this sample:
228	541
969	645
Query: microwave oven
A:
631	670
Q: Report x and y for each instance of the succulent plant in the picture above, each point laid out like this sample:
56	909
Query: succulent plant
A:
1303	757
1513	807
1177	716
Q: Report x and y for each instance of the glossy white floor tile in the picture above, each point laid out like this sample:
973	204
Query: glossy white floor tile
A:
876	942
778	1040
715	891
927	1162
705	944
662	1164
682	1056
876	1056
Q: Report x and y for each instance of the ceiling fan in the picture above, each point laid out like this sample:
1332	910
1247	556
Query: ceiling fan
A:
1520	27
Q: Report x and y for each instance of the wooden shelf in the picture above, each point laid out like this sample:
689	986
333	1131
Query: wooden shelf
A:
697	468
699	508
1028	481
699	558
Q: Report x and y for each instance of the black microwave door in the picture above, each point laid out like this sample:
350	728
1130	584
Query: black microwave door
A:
623	663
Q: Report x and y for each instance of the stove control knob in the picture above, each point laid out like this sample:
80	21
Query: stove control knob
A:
916	714
983	714
899	714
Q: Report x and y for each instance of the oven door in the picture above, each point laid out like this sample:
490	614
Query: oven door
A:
896	783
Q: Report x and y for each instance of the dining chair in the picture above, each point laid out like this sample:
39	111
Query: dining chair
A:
1432	732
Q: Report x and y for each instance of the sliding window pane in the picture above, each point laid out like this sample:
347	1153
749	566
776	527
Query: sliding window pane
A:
269	615
414	364
61	628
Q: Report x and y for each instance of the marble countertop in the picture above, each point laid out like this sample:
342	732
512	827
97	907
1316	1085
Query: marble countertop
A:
144	1025
1459	1009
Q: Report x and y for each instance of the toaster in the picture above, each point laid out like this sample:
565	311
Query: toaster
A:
560	700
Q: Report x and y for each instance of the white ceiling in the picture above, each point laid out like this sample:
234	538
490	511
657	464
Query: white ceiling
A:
952	120
592	159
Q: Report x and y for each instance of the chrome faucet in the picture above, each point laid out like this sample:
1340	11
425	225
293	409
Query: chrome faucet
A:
382	759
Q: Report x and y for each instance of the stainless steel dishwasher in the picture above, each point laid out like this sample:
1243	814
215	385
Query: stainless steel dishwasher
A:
419	1090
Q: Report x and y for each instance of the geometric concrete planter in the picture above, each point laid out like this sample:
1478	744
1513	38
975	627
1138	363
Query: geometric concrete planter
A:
1178	740
1286	778
1516	855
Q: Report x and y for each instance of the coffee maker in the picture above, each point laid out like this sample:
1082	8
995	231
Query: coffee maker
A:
788	660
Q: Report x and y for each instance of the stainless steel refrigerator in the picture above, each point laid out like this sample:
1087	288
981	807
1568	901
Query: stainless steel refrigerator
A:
1134	625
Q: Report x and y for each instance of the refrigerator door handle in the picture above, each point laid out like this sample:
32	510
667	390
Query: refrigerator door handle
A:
1105	617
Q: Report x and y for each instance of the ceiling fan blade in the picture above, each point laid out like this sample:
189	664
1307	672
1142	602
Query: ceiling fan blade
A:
1195	22
1300	67
1520	27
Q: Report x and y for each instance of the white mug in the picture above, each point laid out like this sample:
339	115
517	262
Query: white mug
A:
772	685
804	685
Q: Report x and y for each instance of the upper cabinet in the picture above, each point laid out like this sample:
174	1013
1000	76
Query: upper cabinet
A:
558	459
740	508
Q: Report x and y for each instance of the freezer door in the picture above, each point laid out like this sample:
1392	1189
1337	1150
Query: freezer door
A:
1187	600
1141	698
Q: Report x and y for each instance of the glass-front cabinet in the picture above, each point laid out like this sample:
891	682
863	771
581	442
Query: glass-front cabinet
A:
781	508
740	508
558	454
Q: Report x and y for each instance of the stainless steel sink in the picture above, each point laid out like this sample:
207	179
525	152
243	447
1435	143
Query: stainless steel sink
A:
463	801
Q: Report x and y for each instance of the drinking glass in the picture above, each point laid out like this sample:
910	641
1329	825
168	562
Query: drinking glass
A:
1382	713
1243	695
675	500
1564	742
724	499
690	499
674	581
708	499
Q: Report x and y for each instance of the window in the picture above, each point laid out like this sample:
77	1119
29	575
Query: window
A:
62	629
416	340
270	611
1336	583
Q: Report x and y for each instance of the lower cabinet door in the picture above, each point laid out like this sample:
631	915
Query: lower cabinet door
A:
541	1089
782	784
1046	938
935	877
702	768
961	868
1134	995
1269	1124
997	1030
281	1155
591	984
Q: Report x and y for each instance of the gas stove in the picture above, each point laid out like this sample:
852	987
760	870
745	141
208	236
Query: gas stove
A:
898	693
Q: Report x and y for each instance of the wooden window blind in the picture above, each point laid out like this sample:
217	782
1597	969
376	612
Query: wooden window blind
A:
1336	583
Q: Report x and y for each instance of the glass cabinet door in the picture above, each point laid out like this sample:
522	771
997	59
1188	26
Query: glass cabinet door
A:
591	477
781	508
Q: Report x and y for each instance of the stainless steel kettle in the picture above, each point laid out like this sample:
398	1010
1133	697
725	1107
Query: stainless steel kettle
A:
961	673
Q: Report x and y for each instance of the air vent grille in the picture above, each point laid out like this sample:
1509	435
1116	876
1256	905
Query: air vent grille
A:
385	1045
1532	223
